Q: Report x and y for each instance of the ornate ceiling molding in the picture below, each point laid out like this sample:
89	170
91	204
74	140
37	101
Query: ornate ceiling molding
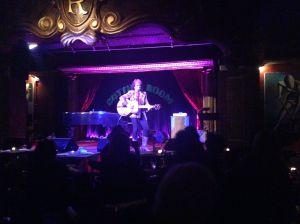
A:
81	20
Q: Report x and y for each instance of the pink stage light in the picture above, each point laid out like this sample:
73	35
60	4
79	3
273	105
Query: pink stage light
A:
145	67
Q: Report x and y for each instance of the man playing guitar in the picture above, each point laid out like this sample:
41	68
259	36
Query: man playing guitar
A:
135	104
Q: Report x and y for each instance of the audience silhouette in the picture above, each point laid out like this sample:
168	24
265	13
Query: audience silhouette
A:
258	188
187	146
195	186
46	199
120	171
185	195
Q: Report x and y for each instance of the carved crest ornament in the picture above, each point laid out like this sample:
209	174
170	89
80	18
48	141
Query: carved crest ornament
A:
80	20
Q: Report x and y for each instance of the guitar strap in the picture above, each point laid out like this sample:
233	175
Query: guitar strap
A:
138	97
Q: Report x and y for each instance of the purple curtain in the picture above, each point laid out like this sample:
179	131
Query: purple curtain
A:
191	83
93	84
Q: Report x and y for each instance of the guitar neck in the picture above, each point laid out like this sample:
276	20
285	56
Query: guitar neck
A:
144	106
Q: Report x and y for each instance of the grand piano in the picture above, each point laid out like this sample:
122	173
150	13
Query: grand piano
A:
106	119
92	119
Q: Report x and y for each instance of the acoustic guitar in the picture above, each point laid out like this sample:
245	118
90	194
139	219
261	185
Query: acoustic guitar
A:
133	107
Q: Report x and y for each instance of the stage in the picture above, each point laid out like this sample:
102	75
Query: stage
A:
91	146
88	152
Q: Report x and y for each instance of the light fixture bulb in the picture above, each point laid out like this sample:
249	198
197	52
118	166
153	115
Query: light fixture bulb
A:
32	45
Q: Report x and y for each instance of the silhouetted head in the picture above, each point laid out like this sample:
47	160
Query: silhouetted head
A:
120	143
117	130
45	150
192	134
187	145
186	194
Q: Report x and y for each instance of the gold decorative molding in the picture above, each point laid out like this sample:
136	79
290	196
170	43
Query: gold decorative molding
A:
81	20
112	23
44	28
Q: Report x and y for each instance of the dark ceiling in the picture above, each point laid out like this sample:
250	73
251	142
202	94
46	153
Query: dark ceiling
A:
246	32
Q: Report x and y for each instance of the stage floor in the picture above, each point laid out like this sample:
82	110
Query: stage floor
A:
91	146
80	160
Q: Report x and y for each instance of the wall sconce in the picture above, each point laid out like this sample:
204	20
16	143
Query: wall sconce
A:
32	46
261	69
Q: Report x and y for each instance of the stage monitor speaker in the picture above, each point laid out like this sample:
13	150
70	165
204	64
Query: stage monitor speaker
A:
65	144
178	122
102	142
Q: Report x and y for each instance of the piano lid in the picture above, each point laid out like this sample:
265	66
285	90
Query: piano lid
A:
106	119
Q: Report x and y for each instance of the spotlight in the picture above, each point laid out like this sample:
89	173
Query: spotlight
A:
227	149
160	151
32	45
